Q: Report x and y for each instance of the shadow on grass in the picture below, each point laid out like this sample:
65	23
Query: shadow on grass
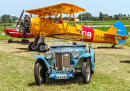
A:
127	61
16	41
32	84
106	47
53	82
25	49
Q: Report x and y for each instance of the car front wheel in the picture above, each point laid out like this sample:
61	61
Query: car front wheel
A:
86	71
39	73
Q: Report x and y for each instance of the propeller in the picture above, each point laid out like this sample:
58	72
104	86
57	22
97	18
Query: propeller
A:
20	18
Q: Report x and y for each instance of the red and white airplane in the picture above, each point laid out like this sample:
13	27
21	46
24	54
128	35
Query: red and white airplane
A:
16	33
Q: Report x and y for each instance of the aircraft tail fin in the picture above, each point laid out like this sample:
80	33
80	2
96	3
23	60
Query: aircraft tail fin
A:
118	29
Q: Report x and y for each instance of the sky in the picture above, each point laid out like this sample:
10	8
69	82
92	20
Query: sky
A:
110	7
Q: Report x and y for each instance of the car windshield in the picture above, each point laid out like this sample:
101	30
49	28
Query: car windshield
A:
62	43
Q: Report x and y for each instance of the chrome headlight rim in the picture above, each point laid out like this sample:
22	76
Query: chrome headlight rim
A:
48	55
75	54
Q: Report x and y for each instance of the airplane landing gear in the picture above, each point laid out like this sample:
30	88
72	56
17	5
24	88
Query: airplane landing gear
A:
10	41
113	46
25	41
42	47
31	47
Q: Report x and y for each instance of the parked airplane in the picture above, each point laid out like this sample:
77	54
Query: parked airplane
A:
44	26
16	33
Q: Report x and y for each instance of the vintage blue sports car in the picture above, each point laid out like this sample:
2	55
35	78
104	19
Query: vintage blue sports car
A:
65	62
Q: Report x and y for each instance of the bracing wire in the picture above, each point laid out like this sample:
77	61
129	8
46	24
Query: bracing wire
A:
81	23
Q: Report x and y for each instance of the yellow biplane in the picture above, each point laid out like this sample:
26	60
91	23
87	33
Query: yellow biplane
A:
44	26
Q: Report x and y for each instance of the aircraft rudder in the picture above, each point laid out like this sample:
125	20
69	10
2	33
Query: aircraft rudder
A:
120	30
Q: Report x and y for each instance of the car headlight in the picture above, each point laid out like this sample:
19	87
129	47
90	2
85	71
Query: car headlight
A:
75	54
48	55
71	67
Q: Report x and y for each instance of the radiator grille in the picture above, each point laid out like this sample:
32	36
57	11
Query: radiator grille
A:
62	60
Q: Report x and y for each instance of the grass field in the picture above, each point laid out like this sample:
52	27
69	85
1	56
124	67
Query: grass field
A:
112	70
125	22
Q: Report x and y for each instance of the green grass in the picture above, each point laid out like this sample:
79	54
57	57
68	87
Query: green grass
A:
106	28
5	37
125	22
17	73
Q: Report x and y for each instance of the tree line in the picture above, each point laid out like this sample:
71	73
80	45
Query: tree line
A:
84	16
8	19
101	17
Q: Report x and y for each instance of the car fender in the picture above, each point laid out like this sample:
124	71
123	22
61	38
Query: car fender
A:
78	64
92	57
43	59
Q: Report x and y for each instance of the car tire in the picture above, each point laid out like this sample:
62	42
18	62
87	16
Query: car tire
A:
31	48
86	71
41	47
39	73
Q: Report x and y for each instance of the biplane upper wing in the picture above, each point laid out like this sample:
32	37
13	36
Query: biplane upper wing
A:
65	8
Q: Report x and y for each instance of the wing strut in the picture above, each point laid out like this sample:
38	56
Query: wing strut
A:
62	20
68	21
74	22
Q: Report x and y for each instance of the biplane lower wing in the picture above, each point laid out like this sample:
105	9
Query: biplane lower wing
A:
69	36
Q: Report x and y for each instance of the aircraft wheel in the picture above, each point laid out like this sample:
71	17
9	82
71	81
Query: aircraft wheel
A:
31	47
27	41
39	73
10	41
86	71
41	47
113	46
23	41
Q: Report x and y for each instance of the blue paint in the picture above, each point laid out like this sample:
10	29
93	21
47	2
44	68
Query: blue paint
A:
67	49
85	55
55	74
120	30
44	59
92	57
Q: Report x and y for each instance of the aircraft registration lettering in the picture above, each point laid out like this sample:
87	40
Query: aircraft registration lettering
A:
35	24
100	37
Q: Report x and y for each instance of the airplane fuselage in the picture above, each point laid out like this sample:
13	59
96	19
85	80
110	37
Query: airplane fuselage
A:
97	35
17	34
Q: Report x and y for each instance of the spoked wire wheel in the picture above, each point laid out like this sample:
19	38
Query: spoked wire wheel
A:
39	73
86	71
